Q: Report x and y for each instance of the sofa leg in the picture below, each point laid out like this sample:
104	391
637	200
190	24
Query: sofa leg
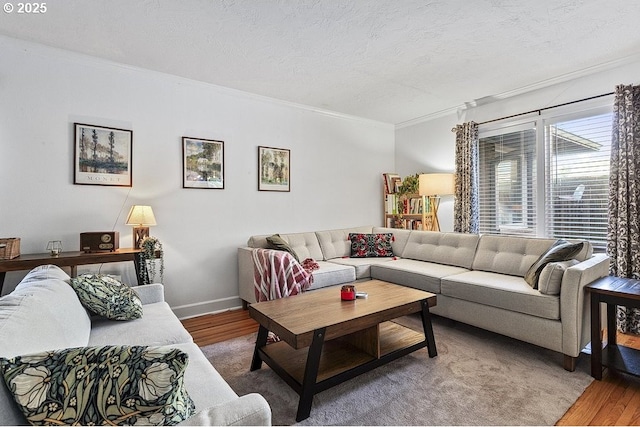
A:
570	363
245	305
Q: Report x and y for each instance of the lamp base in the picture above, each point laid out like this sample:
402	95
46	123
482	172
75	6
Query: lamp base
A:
139	233
435	202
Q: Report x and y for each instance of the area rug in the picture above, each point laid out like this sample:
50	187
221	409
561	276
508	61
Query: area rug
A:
478	378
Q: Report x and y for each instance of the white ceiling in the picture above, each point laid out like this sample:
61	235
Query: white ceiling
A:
387	60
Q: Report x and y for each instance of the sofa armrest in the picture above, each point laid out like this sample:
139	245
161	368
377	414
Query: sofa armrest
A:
245	275
151	293
574	303
249	410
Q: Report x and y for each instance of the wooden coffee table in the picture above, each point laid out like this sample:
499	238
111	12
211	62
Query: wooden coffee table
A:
326	341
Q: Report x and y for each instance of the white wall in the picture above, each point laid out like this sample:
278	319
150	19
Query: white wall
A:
336	167
429	145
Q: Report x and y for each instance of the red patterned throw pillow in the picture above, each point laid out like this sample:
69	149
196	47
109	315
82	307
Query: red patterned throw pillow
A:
371	245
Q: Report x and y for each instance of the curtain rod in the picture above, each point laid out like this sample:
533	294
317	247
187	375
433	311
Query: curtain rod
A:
540	110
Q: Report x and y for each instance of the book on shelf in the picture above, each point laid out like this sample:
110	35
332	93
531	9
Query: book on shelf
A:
391	182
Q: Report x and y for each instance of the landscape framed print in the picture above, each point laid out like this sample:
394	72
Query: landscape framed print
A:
102	155
274	165
202	163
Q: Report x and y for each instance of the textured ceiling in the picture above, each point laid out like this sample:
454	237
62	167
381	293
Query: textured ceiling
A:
387	60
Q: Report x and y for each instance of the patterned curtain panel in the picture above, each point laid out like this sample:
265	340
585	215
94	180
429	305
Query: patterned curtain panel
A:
623	239
466	207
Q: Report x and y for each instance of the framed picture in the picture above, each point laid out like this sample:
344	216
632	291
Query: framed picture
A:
102	155
274	165
202	163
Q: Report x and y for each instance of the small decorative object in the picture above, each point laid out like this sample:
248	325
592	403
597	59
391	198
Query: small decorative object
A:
348	293
54	247
9	248
102	155
202	163
141	217
151	252
273	169
99	241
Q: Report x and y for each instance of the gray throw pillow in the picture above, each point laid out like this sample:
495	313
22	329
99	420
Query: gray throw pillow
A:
278	243
551	276
109	385
561	250
106	296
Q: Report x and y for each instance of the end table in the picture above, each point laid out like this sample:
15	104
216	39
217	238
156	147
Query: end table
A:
613	291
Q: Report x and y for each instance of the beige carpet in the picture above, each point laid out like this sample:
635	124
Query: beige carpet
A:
478	378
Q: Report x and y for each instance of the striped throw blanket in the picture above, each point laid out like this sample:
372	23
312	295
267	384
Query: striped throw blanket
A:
276	274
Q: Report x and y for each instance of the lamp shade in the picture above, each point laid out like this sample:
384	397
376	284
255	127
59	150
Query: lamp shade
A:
141	215
436	184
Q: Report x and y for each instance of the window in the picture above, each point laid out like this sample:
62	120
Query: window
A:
507	182
547	177
577	175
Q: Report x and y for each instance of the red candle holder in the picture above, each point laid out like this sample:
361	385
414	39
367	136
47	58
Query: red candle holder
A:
348	293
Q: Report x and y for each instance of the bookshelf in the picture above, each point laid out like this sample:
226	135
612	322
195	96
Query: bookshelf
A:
409	211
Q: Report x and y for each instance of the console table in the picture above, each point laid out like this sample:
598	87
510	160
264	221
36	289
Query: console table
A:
613	291
73	260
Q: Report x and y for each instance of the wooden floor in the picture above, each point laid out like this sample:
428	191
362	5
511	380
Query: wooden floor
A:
613	401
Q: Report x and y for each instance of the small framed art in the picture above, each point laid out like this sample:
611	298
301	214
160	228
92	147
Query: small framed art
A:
102	155
202	163
274	165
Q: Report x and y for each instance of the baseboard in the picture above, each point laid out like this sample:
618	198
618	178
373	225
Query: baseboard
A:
207	307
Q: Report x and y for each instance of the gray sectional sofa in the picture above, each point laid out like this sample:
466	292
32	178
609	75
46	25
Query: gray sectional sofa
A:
478	279
43	313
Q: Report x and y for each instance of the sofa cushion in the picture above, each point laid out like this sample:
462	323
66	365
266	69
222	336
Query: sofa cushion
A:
503	291
42	315
371	245
305	245
204	384
330	273
560	250
278	243
551	276
362	265
514	255
416	274
116	385
455	249
335	243
507	254
157	326
42	272
108	297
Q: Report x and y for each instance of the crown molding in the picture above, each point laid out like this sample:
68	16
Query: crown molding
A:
524	89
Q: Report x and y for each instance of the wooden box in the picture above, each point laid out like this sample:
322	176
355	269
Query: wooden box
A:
9	248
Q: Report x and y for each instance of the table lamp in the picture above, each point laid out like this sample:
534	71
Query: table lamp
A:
435	185
141	217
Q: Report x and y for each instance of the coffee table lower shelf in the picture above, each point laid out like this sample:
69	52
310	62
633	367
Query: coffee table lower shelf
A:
340	359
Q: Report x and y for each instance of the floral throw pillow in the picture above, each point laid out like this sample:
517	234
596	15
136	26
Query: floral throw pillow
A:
110	385
106	296
371	245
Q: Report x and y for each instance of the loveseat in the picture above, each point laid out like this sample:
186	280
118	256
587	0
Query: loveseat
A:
44	313
478	279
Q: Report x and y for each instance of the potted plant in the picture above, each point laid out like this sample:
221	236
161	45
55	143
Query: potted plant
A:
151	252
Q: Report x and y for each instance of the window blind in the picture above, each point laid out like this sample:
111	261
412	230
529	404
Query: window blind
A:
577	178
548	176
507	181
